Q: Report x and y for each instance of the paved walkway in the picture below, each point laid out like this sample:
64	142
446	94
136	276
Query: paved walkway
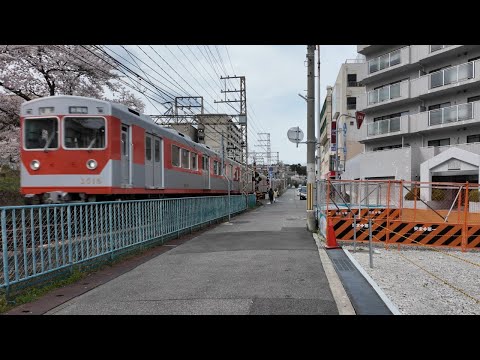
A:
264	261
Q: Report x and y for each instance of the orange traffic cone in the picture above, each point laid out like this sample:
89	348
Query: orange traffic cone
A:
331	238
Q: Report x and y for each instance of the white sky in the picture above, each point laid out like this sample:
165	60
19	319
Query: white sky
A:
275	75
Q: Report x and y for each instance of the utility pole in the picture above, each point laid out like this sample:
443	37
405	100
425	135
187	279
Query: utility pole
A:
242	117
311	223
319	110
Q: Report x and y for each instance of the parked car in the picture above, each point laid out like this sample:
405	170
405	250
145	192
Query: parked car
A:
303	193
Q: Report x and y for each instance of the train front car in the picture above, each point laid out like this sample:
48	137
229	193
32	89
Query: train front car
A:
65	149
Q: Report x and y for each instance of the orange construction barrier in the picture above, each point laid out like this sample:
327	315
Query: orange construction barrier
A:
331	238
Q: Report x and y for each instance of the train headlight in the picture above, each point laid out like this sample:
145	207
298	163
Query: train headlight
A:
92	164
35	165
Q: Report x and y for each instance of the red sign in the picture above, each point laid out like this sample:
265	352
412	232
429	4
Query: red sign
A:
359	116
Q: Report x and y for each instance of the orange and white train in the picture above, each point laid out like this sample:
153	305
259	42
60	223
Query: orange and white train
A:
81	149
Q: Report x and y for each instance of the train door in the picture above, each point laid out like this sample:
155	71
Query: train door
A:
157	162
153	162
125	155
149	161
206	171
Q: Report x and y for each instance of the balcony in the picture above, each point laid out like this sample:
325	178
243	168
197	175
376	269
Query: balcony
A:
446	80
451	117
429	53
384	128
391	63
378	98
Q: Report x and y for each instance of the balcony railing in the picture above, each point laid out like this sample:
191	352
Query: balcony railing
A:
384	93
383	126
437	47
450	114
354	84
384	61
452	75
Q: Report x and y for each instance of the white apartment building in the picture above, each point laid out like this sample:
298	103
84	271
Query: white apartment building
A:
422	105
343	98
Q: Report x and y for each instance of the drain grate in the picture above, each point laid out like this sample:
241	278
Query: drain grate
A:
241	222
343	265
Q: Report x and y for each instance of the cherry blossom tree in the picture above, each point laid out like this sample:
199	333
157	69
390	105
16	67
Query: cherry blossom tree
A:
32	71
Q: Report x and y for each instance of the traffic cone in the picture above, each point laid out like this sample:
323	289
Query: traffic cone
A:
331	238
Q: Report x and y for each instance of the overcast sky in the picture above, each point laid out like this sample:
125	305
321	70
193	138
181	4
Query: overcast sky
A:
275	75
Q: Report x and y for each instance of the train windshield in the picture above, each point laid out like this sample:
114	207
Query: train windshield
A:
84	132
41	133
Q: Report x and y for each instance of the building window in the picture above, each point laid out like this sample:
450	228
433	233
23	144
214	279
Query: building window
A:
440	142
438	106
352	80
387	147
473	138
351	103
473	98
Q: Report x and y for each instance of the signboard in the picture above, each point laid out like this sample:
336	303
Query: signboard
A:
359	116
334	147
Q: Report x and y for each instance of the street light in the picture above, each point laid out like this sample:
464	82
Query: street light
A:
336	117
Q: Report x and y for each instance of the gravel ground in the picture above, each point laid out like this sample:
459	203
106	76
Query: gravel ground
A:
413	290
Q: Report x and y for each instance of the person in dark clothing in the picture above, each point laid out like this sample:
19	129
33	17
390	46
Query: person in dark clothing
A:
270	195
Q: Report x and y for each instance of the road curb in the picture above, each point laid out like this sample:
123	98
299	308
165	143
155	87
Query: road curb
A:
340	296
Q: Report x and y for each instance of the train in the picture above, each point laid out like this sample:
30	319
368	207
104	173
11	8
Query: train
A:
76	148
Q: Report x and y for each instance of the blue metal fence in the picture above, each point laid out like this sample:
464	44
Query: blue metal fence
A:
40	239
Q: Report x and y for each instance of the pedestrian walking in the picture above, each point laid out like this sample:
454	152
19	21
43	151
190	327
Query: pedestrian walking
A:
270	195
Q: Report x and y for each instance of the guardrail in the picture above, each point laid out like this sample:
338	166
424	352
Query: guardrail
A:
42	239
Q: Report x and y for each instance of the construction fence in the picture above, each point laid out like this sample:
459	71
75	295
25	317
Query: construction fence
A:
401	212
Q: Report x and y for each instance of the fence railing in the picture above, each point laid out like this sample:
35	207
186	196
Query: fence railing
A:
38	240
436	214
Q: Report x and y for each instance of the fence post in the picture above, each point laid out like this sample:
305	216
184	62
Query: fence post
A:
354	232
387	230
415	199
70	240
465	214
327	209
5	250
401	199
370	241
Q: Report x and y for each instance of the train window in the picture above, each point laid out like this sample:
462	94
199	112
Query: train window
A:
205	163
215	167
148	148
124	144
194	161
157	150
175	156
41	133
230	172
185	156
84	132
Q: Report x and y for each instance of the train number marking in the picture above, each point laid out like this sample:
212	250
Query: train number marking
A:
90	180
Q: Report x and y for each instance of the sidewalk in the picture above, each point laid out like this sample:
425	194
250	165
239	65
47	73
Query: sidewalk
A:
264	262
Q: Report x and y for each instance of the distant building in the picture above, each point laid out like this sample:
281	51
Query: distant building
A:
211	128
343	98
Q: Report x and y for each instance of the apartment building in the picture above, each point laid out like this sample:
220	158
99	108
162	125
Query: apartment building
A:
211	128
339	107
422	106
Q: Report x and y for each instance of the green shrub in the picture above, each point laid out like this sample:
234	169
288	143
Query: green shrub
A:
474	195
438	194
415	192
